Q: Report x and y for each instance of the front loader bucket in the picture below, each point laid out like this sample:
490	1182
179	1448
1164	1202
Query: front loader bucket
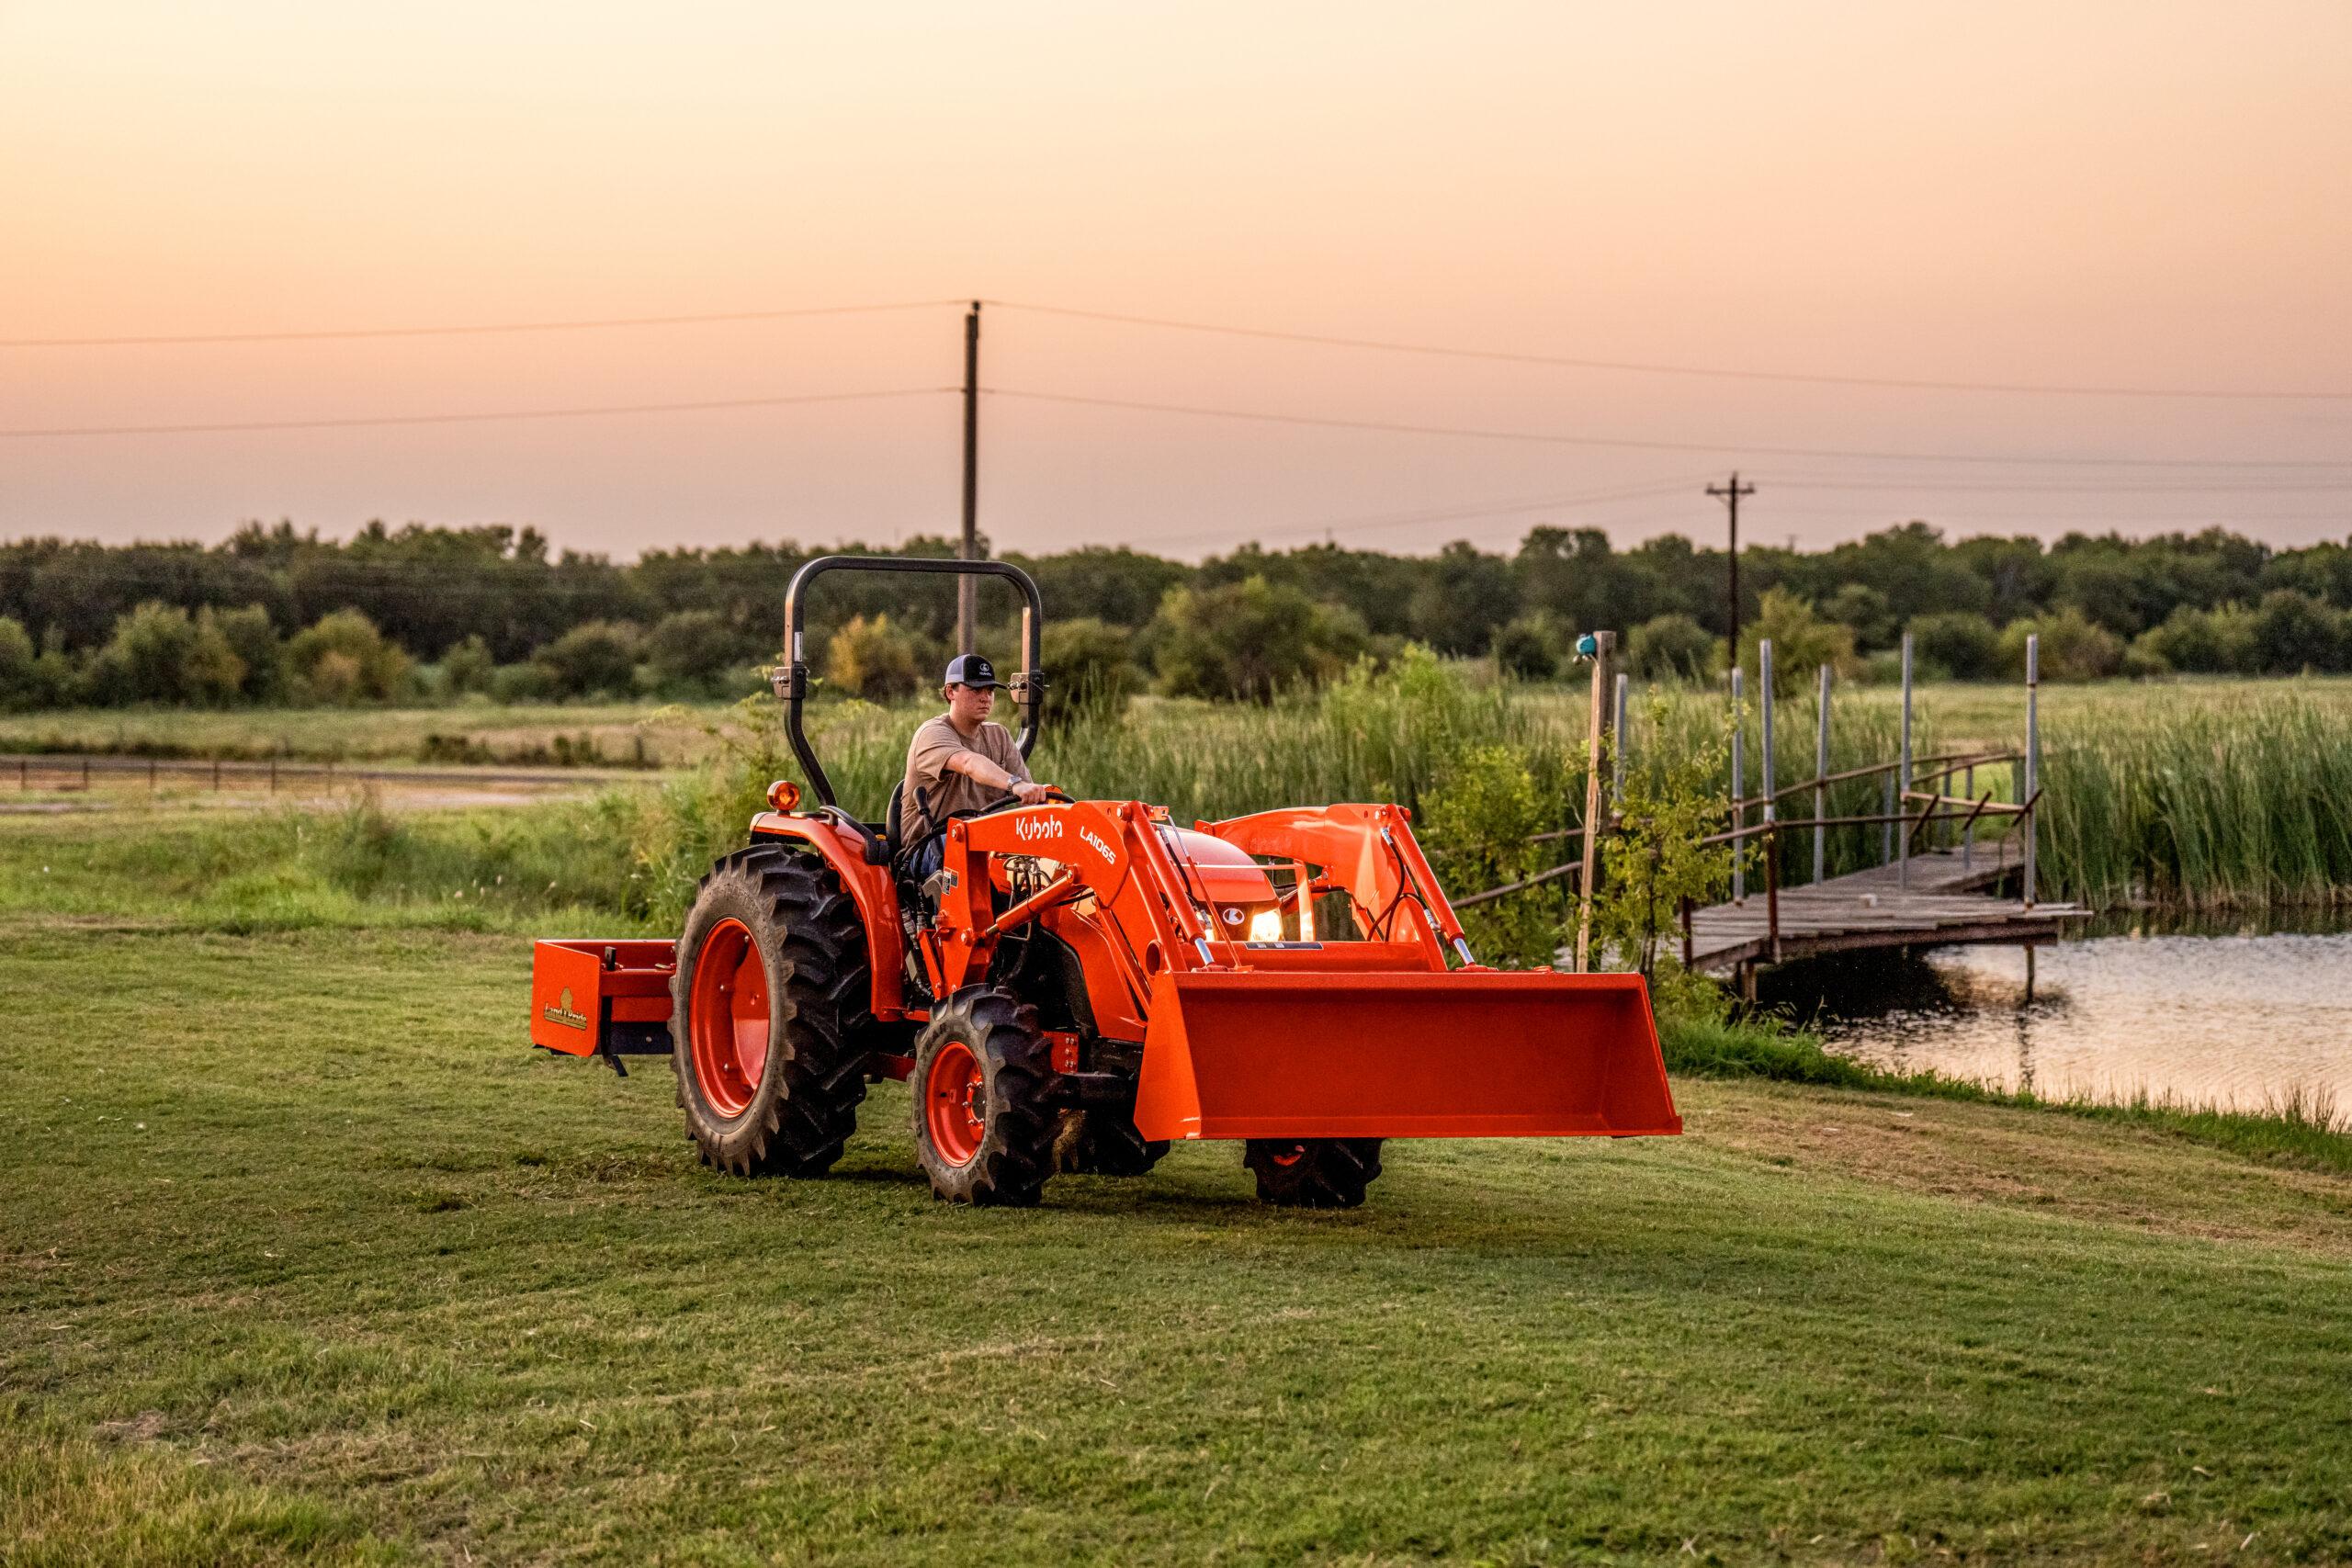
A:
1470	1053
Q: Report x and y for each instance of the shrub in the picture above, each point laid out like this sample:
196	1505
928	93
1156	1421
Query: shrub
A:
529	681
1960	644
1250	639
20	682
1478	819
1671	647
160	654
1090	663
696	650
1530	648
874	660
593	658
2206	642
1867	612
2074	647
253	638
2294	632
466	667
344	659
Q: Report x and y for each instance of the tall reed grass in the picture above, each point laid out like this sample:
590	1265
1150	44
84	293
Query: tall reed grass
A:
2201	806
2209	800
1369	736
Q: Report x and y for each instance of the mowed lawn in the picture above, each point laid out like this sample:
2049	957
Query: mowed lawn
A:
305	1256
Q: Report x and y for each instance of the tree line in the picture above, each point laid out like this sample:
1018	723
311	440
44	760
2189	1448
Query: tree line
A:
274	615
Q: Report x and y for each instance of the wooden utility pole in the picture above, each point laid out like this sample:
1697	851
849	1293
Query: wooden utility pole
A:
1731	494
1586	889
967	589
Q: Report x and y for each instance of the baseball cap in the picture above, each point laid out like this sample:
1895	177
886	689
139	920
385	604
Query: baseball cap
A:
971	669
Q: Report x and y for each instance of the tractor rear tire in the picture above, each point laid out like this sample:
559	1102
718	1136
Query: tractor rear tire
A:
770	1014
984	1114
1313	1173
1104	1143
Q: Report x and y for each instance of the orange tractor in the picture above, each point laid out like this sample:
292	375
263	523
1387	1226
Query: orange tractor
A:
1083	981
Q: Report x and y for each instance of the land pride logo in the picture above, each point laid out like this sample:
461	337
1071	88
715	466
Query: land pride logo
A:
563	1012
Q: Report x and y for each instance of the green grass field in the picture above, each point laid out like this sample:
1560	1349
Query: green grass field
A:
304	1257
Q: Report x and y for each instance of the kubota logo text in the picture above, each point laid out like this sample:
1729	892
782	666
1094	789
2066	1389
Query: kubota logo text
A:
563	1014
1029	828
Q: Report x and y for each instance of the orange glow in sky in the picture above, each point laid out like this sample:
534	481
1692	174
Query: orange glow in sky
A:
2147	195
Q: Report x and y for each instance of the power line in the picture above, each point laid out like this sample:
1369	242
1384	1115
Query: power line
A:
1715	448
2183	486
1649	368
468	330
1445	514
358	422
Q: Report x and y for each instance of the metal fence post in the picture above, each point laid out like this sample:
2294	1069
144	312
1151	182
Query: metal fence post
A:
1617	744
1820	772
1903	774
1772	774
1738	793
2032	755
1588	883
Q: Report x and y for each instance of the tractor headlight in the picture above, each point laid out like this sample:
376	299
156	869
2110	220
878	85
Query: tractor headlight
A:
1267	926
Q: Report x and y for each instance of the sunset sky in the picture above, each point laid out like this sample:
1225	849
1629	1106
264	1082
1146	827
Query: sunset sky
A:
2151	195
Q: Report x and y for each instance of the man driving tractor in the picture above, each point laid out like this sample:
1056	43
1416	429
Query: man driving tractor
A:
959	762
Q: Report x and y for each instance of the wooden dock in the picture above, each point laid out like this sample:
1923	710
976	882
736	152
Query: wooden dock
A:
1935	899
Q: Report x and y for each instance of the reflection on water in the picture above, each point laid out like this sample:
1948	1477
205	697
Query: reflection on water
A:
2232	1017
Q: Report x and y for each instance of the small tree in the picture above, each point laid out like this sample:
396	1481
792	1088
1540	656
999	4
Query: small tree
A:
874	660
160	654
1657	860
1478	819
1090	664
344	659
1802	642
1250	639
19	666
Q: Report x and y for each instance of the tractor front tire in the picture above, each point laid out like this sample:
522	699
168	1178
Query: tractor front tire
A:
1313	1173
770	1013
984	1116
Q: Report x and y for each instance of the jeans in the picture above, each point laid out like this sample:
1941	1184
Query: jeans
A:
926	858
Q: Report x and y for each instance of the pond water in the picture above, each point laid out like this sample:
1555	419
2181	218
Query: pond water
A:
2236	1016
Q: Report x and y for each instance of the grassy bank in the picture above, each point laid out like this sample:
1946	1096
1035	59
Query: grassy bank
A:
2301	1130
581	734
331	1269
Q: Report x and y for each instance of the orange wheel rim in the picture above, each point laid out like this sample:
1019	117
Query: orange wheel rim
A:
954	1098
728	1018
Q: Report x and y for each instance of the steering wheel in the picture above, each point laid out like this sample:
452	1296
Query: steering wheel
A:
1008	803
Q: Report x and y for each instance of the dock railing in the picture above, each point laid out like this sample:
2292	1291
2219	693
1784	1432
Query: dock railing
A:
1918	796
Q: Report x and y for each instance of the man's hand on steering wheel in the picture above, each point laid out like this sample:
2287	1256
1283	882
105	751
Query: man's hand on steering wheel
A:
1029	794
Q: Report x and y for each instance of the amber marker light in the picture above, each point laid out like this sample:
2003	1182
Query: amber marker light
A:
784	795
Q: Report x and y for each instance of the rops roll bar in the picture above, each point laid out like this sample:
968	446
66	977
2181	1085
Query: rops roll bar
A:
792	680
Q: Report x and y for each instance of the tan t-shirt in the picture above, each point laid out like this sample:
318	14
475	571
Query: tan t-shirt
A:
928	779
